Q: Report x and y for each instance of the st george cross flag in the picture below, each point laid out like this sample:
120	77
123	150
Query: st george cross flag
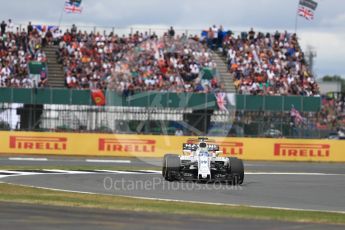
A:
306	9
73	6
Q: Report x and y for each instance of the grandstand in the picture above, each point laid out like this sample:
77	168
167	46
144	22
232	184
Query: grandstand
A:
268	64
257	63
161	70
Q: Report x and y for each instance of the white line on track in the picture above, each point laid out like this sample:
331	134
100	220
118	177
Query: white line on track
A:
121	172
292	173
65	171
108	161
272	173
151	171
180	201
27	159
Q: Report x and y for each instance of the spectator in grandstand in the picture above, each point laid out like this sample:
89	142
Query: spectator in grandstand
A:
220	37
251	34
214	36
171	32
210	36
27	82
71	81
178	132
74	30
30	28
341	132
6	71
43	78
3	26
48	38
10	26
57	34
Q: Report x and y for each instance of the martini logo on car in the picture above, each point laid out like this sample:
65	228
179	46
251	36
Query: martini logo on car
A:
232	148
38	143
302	150
126	145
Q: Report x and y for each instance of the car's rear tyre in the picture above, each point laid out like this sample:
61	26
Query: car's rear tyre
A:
236	170
171	167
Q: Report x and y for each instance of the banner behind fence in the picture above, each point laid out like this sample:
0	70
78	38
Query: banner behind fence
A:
19	143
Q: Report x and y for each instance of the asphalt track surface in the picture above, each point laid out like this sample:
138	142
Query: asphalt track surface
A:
324	192
332	168
38	217
307	186
314	186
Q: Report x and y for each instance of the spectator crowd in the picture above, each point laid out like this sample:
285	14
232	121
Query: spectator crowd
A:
260	64
17	49
332	114
264	64
138	62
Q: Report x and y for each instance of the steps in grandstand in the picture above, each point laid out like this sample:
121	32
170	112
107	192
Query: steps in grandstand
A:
225	77
56	77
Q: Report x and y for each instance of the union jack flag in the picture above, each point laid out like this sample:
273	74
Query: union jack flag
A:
73	6
306	13
306	9
295	114
221	101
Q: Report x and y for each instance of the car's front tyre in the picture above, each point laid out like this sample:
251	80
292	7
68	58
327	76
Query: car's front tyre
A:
171	167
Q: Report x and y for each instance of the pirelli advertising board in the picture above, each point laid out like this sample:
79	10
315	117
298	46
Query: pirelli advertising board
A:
74	144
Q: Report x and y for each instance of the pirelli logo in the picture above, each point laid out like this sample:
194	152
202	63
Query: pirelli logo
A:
38	143
127	145
302	150
232	148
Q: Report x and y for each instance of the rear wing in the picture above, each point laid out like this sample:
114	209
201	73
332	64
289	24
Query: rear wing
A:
194	147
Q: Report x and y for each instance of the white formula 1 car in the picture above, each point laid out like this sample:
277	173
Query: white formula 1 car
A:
201	162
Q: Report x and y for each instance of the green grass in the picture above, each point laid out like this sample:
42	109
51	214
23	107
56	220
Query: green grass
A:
22	194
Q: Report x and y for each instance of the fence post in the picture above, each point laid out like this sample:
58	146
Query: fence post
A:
11	101
206	114
283	104
245	103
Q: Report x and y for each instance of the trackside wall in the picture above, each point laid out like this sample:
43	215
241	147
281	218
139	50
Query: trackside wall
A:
77	144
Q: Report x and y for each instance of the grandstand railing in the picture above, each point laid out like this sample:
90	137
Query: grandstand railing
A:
159	30
195	101
57	110
150	29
